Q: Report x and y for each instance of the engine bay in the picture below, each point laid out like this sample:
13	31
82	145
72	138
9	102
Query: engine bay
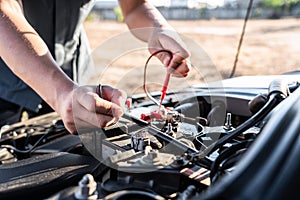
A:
175	153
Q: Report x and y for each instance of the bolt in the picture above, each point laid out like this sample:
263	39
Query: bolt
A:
153	154
228	124
87	188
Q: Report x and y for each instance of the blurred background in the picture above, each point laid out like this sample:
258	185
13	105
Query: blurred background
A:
210	28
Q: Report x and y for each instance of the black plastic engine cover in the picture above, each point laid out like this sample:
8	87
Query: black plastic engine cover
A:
40	176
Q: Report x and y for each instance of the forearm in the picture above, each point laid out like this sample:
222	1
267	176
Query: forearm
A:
142	18
147	24
28	57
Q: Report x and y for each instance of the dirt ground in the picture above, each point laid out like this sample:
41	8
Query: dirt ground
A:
269	47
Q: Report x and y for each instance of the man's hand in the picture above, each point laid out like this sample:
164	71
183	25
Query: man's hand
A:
83	108
147	24
177	64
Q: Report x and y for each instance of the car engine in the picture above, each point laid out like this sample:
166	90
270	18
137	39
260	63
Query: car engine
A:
179	152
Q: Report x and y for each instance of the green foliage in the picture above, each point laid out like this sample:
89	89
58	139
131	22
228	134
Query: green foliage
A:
92	16
279	3
273	3
119	14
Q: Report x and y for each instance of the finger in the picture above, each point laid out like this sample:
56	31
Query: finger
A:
117	97
81	124
181	70
164	57
114	95
171	44
120	99
84	118
108	108
70	127
93	103
176	60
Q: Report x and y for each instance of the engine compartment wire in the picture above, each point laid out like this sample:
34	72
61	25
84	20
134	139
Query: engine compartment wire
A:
274	100
32	148
145	76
